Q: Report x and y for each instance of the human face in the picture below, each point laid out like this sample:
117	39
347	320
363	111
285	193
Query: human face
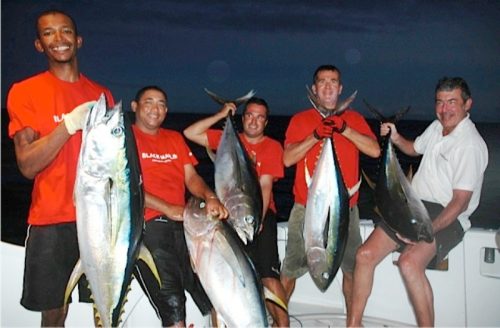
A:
451	109
327	88
254	121
150	111
57	38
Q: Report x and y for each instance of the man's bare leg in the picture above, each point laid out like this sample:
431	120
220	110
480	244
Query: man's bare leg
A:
280	316
54	317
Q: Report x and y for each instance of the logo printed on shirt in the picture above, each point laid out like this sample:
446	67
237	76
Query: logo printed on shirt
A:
160	158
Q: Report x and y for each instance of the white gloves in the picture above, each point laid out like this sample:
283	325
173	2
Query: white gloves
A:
75	120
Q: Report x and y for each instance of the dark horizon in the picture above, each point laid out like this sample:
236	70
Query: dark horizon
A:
16	189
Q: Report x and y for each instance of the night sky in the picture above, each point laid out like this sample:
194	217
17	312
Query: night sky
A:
392	52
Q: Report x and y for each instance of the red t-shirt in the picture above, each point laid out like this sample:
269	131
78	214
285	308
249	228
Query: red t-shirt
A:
302	125
40	102
267	155
162	157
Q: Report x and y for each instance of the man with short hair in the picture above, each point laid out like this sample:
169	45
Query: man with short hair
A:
351	135
267	156
47	112
168	170
449	181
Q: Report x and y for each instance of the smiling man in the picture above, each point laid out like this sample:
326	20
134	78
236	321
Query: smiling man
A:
304	138
46	112
167	166
266	154
449	181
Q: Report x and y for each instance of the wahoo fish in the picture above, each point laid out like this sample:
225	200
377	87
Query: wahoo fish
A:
326	220
109	202
225	270
236	181
396	201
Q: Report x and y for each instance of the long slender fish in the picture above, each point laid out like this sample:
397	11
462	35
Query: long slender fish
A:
109	202
397	202
327	211
224	269
236	181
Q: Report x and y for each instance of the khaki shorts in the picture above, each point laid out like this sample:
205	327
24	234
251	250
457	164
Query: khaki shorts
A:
295	262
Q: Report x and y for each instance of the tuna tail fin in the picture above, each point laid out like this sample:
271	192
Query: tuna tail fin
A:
237	101
269	295
394	118
342	106
145	255
73	280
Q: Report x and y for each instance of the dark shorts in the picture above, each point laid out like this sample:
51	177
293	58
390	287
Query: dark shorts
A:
166	242
446	239
51	254
264	249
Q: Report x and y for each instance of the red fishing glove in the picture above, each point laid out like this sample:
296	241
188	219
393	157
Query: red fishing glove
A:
329	125
339	125
324	129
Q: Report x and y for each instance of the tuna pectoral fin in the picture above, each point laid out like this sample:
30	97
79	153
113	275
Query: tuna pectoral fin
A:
269	295
409	176
146	256
210	154
370	183
73	280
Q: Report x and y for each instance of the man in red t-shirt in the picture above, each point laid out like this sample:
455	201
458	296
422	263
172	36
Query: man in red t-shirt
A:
167	166
351	135
267	154
46	112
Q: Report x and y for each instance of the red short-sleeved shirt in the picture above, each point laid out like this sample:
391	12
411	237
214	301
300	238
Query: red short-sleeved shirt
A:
267	154
40	102
162	157
302	125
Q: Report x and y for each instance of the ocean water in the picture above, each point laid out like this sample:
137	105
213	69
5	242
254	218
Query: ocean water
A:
16	190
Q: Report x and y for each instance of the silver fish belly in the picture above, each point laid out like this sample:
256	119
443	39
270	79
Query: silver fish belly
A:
326	219
109	204
237	184
224	269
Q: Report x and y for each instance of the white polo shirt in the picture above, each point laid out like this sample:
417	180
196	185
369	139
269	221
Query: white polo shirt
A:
455	161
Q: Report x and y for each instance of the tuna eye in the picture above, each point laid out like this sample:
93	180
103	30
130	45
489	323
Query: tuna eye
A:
117	131
249	219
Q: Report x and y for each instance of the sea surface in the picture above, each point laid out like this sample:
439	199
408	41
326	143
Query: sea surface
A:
16	190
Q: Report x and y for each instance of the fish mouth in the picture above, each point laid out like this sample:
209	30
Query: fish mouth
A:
245	236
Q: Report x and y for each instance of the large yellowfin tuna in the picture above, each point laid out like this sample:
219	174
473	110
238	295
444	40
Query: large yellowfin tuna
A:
109	202
397	202
326	220
236	181
224	269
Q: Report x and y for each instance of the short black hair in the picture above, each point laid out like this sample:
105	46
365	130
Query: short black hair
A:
54	12
258	101
452	83
326	68
141	91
